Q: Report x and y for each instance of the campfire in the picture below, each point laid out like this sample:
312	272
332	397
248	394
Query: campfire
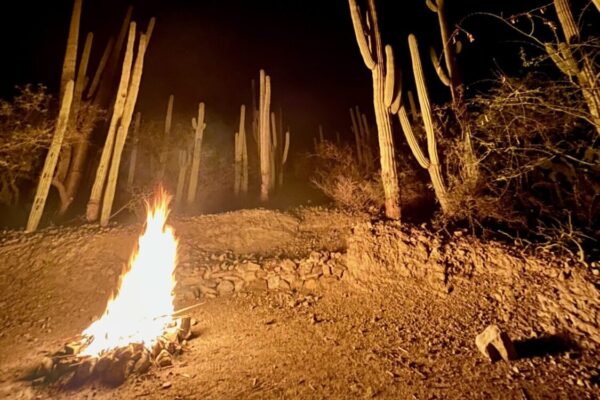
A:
138	328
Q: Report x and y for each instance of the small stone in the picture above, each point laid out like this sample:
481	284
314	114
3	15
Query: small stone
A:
225	287
311	284
288	266
166	385
495	344
252	267
143	364
164	359
284	285
273	282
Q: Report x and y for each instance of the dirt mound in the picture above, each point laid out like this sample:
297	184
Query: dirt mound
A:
555	290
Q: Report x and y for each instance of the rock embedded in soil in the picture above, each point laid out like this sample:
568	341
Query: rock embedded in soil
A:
225	287
495	344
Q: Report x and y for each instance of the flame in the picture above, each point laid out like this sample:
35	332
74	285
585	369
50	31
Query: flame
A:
143	304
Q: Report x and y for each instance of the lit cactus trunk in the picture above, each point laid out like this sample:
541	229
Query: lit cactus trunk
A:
51	159
129	107
382	69
93	206
199	127
134	151
265	135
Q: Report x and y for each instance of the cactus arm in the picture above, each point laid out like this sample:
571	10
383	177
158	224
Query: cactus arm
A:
286	148
390	76
361	35
431	5
444	78
412	139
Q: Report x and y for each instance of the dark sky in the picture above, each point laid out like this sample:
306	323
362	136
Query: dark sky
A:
209	50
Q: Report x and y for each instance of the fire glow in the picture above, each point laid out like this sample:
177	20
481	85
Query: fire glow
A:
142	306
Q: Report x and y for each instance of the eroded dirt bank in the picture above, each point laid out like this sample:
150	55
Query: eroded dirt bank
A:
313	304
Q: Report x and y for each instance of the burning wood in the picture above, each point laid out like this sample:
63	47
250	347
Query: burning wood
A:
137	329
74	368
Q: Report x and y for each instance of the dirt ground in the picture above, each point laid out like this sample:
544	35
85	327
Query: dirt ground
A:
402	339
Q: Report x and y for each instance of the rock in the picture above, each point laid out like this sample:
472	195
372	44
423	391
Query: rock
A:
495	344
252	267
273	282
305	268
209	283
288	266
284	285
116	373
247	276
326	270
164	359
311	284
225	287
143	364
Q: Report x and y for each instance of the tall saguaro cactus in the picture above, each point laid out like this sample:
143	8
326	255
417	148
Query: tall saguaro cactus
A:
431	164
382	68
93	206
241	155
134	150
198	125
574	62
132	94
69	64
264	134
51	159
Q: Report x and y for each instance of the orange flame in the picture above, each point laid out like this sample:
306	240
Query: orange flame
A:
143	304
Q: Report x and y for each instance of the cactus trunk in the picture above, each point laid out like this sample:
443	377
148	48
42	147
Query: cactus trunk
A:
51	159
265	135
129	106
93	206
382	69
198	136
134	151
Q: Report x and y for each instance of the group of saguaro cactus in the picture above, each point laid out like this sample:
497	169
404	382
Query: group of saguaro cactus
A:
103	190
573	60
386	97
362	137
65	165
273	150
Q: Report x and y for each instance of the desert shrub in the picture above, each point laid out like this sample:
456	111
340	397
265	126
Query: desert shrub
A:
338	174
25	133
538	161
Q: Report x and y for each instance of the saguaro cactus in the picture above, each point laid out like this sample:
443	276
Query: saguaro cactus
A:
432	165
576	63
198	125
284	157
265	135
69	64
51	159
382	68
240	144
134	150
130	101
183	167
93	206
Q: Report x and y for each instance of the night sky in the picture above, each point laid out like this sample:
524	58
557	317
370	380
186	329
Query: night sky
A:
209	50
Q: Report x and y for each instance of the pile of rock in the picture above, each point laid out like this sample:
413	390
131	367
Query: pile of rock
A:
227	275
113	367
